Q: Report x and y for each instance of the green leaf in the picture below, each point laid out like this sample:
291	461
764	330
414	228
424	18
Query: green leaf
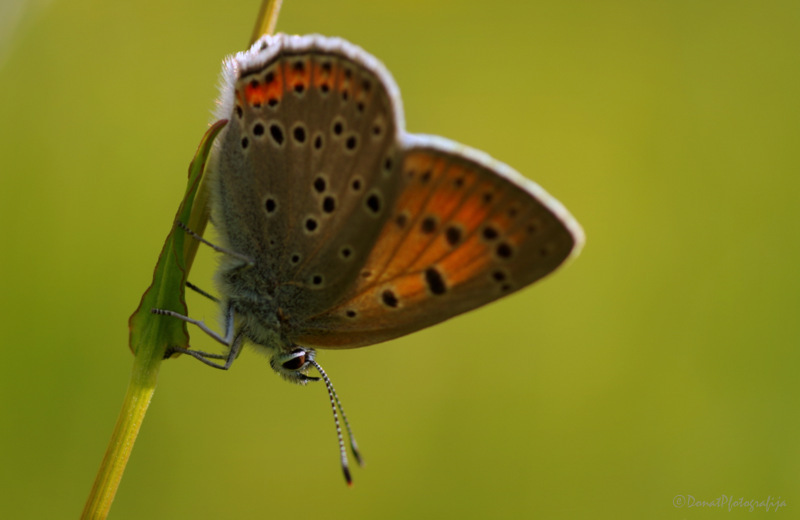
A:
155	333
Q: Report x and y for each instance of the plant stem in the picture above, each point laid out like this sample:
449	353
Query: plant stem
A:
267	19
140	392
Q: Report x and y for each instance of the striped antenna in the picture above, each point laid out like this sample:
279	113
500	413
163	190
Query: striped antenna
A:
334	404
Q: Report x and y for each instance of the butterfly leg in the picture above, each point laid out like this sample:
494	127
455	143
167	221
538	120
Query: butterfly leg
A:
235	344
206	357
244	258
202	292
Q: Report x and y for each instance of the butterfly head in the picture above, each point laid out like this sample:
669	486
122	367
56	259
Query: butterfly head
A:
293	365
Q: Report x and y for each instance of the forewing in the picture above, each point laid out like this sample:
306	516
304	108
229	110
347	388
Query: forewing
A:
305	174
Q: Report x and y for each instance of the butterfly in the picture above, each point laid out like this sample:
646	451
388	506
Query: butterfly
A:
339	229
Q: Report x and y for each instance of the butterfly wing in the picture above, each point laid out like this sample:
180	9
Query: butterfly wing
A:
302	179
464	231
360	232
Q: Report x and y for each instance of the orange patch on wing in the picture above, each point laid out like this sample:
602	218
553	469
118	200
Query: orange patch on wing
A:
344	78
410	289
448	197
404	244
323	74
261	87
297	73
387	257
328	74
405	290
464	264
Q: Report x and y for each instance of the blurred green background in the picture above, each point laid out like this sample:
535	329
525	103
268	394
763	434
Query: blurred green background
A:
662	362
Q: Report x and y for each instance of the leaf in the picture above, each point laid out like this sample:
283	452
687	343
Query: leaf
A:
154	333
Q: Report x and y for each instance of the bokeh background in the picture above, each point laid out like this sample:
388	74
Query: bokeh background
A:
662	363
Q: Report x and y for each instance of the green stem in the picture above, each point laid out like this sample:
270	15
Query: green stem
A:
267	19
140	391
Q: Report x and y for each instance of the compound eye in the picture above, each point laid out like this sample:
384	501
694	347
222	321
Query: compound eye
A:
296	363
